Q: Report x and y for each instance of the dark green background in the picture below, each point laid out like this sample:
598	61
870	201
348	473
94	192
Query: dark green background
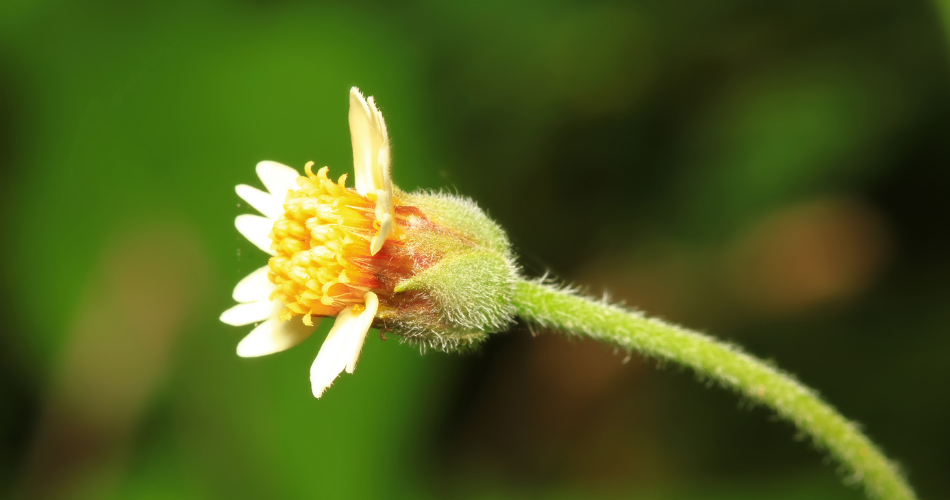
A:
772	172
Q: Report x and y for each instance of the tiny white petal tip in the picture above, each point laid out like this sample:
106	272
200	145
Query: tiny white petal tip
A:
255	286
256	229
264	203
385	229
245	314
277	178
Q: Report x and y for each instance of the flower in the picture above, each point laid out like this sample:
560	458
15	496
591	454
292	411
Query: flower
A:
429	267
322	235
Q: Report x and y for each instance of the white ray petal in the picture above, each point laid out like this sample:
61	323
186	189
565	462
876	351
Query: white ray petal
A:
363	133
381	178
245	314
329	364
273	336
342	346
365	321
277	178
384	214
264	203
371	158
255	286
256	229
385	229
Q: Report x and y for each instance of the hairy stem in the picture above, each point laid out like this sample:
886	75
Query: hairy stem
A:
562	310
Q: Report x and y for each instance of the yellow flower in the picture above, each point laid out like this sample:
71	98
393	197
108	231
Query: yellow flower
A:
328	252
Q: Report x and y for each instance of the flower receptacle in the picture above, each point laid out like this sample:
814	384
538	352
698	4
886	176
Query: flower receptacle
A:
466	292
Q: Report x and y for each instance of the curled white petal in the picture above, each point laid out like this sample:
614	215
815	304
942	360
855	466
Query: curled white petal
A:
385	229
365	321
367	138
371	158
245	314
384	214
273	336
343	344
255	286
277	178
256	229
264	203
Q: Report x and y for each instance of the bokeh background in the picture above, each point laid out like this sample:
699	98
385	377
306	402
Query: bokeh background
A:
772	172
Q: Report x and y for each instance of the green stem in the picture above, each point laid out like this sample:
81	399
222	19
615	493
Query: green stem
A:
562	310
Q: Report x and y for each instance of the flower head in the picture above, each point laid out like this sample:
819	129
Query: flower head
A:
428	267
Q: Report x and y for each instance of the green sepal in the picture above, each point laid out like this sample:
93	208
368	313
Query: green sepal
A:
473	291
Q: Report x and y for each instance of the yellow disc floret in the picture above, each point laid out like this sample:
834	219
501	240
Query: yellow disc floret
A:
323	262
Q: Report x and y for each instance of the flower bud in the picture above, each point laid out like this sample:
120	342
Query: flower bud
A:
463	276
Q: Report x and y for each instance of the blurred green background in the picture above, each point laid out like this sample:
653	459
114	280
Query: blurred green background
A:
772	172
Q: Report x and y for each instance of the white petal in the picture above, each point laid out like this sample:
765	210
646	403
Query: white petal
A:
245	314
342	347
277	178
371	160
366	320
385	229
370	145
363	134
381	178
255	286
273	336
384	214
256	229
329	364
264	203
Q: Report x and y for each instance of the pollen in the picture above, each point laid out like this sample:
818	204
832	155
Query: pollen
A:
323	262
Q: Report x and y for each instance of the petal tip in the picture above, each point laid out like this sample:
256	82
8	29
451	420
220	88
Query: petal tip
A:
318	391
224	318
277	178
256	229
253	287
273	336
245	352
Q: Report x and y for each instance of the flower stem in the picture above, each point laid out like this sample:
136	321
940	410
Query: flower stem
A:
557	309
